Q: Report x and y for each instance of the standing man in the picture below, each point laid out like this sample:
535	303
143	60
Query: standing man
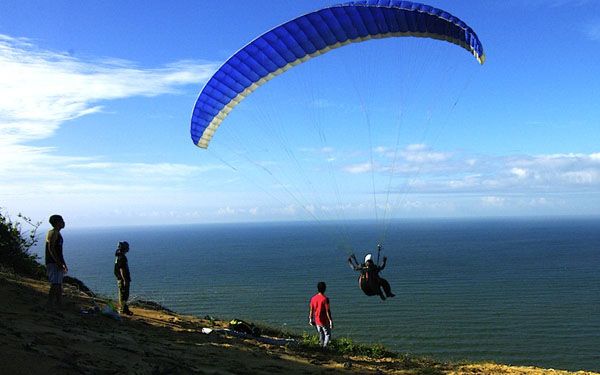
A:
320	314
123	276
56	266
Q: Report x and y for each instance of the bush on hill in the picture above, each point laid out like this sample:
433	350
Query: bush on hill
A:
15	245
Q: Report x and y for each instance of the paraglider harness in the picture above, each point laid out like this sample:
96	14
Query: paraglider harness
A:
368	281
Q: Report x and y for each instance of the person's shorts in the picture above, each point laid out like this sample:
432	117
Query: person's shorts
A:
55	273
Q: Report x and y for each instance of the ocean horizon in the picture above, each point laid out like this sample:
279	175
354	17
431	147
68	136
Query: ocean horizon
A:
514	291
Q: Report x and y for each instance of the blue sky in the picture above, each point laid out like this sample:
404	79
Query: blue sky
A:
97	98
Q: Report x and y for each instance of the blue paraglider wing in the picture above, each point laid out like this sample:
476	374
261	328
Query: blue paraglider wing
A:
311	35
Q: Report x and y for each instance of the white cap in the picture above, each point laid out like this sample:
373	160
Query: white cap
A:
368	257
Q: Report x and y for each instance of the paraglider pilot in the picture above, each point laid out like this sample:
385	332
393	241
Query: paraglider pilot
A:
369	280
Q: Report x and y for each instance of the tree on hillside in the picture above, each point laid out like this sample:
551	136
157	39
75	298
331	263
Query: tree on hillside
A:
15	245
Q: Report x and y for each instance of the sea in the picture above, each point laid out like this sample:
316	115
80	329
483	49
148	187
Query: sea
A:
513	291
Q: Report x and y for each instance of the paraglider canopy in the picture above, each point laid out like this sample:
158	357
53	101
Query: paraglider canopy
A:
311	35
308	183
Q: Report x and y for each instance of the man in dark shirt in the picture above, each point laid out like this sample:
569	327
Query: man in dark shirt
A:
56	266
123	276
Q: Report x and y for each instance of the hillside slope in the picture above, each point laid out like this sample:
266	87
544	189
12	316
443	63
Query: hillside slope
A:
34	340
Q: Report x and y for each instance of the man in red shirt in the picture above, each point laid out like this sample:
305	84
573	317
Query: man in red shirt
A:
320	315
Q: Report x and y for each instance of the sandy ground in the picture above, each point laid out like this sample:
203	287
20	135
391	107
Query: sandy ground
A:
35	340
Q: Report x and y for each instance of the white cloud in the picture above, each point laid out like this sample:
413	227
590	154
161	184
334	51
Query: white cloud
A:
510	174
560	170
539	202
420	153
421	169
585	177
41	89
144	170
493	201
359	168
226	211
290	210
35	171
414	158
381	150
519	172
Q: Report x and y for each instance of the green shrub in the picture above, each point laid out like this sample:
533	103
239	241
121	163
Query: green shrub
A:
15	243
309	341
347	346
